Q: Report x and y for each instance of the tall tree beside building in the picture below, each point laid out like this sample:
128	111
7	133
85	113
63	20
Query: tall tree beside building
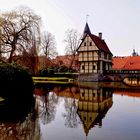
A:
49	45
18	29
72	41
30	56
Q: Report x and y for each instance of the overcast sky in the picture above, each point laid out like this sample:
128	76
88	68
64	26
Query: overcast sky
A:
118	20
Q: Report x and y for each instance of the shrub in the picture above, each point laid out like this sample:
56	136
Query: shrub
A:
15	81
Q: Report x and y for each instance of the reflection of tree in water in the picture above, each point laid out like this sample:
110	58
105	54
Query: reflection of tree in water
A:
71	118
26	130
47	107
47	104
18	120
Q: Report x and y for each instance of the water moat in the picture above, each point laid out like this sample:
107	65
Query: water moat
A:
76	112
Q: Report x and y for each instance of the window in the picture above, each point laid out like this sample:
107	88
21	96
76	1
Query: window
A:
105	55
85	44
109	57
90	119
93	94
83	67
98	65
93	67
83	93
90	43
99	54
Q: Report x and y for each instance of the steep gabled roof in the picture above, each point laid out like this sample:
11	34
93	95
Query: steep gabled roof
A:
100	43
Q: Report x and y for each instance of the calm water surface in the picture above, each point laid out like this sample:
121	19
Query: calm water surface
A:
80	112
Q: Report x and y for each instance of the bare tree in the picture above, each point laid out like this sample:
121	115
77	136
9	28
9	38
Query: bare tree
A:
49	45
72	41
18	28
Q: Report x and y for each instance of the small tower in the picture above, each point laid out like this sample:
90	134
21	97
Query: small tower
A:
134	53
86	31
94	56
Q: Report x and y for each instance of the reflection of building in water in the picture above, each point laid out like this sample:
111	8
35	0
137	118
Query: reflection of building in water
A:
92	106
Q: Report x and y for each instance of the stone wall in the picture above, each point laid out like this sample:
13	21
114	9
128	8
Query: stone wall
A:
90	77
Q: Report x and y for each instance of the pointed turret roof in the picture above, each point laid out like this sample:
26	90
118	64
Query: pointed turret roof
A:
100	43
87	29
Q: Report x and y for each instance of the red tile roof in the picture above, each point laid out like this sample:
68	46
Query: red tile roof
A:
100	43
126	63
43	60
119	62
65	60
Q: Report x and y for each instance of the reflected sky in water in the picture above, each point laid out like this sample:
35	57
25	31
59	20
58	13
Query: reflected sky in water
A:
114	116
84	112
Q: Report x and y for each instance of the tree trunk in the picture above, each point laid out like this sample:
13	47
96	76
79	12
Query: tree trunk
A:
72	60
11	55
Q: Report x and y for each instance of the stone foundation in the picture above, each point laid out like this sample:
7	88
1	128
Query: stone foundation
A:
90	77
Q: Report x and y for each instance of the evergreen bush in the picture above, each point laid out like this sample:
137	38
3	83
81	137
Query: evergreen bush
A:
15	82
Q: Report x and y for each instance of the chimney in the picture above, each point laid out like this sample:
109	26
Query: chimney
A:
100	35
